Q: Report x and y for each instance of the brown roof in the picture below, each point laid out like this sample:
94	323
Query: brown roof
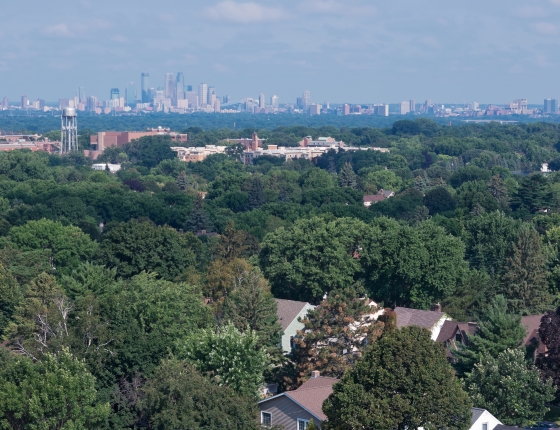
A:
312	394
374	198
288	310
407	317
531	323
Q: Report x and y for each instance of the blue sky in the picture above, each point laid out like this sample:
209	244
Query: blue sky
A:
356	51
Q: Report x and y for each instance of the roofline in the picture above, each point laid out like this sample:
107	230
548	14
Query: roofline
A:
293	400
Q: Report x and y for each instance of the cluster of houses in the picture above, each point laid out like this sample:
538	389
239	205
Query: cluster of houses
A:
295	409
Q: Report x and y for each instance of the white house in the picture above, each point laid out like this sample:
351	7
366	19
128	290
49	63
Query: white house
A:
288	313
483	420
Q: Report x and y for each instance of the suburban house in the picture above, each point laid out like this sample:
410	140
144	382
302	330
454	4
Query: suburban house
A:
288	313
432	320
483	420
379	197
294	409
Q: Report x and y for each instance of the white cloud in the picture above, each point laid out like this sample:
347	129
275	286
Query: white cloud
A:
59	30
545	28
244	13
333	7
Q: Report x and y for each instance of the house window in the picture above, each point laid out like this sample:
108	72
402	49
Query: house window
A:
266	419
458	337
485	426
302	424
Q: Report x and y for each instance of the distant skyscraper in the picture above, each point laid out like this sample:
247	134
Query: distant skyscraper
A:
146	87
405	108
225	99
115	94
189	88
550	106
180	86
261	101
82	95
306	98
24	102
5	103
91	103
412	105
170	86
130	94
211	98
202	94
274	102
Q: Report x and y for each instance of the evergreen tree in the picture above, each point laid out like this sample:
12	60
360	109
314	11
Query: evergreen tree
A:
198	219
524	279
498	331
403	382
252	306
510	387
332	166
256	194
347	177
499	191
182	181
534	193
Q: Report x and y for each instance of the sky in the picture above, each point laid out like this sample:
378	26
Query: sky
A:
343	51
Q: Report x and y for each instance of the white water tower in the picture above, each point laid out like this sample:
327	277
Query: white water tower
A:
69	131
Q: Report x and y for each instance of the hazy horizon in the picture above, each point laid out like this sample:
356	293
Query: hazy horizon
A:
343	52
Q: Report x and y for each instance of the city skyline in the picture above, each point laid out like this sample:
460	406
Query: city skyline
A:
342	52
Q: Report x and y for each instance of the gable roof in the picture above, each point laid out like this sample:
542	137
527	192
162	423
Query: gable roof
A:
476	414
288	310
407	317
449	329
311	395
374	198
531	323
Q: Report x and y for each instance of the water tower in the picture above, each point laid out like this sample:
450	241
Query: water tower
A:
69	131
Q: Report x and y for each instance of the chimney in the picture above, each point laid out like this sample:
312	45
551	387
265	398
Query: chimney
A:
436	307
315	374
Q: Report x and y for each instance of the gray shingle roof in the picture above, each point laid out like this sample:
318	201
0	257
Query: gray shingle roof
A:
288	310
407	317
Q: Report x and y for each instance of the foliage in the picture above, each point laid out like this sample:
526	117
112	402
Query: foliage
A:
549	335
57	392
403	381
509	387
198	218
229	357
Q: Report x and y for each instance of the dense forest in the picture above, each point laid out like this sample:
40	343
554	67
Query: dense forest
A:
133	290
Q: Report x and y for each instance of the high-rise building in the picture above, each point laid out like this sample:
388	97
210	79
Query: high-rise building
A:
381	109
81	95
550	106
40	104
130	94
5	103
225	99
115	94
24	102
261	101
189	88
180	86
211	98
412	105
145	83
202	94
170	86
192	97
405	108
306	99
274	102
91	104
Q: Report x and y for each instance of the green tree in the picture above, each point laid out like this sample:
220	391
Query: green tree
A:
334	336
10	297
178	397
198	218
498	331
55	393
403	382
533	194
510	387
439	200
68	245
524	280
229	357
256	194
134	246
312	257
183	181
252	306
149	151
499	191
347	177
236	243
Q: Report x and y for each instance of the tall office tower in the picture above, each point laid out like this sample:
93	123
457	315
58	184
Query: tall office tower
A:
217	106
202	94
170	86
274	102
189	88
211	99
82	95
5	103
24	102
550	106
69	131
91	103
145	83
261	101
40	104
130	96
192	97
405	108
412	105
225	99
115	94
180	86
306	98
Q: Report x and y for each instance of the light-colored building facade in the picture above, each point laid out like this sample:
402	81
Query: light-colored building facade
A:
289	312
194	154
